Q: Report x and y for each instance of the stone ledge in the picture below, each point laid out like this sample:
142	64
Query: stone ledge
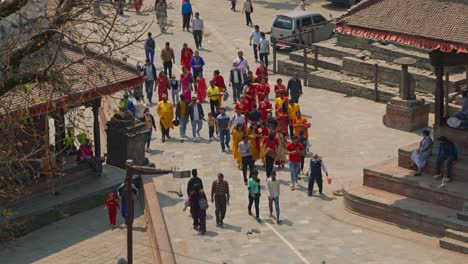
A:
163	252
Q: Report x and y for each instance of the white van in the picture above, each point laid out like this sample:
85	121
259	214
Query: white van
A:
293	23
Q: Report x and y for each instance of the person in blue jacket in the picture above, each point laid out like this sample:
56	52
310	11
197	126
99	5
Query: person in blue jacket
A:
187	14
447	152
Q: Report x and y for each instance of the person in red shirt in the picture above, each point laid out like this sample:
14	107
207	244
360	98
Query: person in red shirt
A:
112	204
295	151
263	90
250	96
265	107
262	73
219	82
185	56
162	85
280	87
270	143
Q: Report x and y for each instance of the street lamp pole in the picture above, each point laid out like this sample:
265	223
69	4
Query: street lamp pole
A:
130	171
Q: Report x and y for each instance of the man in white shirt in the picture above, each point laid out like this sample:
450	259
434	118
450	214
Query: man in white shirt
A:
198	27
242	64
264	48
254	39
238	118
139	107
245	150
273	188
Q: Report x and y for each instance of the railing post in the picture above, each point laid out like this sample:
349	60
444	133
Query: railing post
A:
446	94
316	54
274	56
376	82
305	66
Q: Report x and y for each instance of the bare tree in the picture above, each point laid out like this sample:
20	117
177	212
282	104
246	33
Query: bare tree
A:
51	49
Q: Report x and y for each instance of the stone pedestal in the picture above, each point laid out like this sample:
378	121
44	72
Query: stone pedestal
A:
406	115
126	140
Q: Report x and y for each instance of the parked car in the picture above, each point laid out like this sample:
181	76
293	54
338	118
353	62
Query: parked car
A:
314	27
347	3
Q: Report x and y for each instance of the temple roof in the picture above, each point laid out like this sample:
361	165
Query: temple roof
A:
83	75
429	24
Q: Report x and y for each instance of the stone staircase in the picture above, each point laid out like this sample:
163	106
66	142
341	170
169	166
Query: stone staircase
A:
391	193
346	65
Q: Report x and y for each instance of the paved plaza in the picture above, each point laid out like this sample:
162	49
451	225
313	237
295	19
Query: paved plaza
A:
346	131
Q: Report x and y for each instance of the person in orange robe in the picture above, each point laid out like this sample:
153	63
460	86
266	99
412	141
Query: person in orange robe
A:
162	84
201	88
111	205
185	56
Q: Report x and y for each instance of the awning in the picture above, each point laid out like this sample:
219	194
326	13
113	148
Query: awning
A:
403	39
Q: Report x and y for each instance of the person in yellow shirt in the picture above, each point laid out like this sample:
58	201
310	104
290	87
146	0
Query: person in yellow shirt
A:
214	95
293	108
300	124
281	99
166	114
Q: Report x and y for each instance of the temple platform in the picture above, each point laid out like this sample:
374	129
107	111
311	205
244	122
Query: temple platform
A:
390	192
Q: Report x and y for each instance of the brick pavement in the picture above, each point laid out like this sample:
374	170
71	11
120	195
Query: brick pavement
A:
83	238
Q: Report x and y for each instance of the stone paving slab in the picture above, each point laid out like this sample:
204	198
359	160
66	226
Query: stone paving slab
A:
83	238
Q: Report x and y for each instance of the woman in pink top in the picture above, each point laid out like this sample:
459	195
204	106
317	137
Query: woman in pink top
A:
186	83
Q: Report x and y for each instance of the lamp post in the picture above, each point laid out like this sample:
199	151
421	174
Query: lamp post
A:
130	171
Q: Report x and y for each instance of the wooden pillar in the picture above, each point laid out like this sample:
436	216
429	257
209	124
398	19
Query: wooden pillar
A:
439	94
96	128
59	123
446	94
305	66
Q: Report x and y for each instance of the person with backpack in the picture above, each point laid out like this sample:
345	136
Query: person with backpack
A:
198	205
316	167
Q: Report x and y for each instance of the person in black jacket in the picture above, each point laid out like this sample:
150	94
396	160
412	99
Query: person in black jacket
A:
295	88
194	180
196	114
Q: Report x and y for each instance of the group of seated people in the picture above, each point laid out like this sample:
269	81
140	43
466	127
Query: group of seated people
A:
447	153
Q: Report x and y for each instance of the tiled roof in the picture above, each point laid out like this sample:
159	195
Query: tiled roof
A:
86	75
444	20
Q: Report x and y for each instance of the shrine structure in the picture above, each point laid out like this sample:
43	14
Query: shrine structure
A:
390	190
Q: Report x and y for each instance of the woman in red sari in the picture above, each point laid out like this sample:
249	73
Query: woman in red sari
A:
263	90
282	118
162	84
250	96
138	4
219	82
280	86
185	56
201	88
264	107
262	73
241	104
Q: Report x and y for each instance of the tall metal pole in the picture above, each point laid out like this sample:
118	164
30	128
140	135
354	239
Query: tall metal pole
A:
130	171
305	65
129	205
274	56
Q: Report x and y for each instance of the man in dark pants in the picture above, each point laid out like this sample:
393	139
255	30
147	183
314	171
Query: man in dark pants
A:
254	194
220	196
447	152
186	15
197	27
315	171
295	88
194	180
270	143
167	58
245	150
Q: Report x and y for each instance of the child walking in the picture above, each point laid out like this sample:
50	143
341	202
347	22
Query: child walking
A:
112	204
211	125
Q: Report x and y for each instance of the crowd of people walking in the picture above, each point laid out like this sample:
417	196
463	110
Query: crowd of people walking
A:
266	128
